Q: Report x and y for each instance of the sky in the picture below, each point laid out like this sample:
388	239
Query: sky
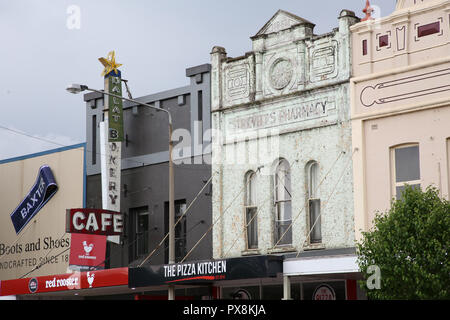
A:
46	45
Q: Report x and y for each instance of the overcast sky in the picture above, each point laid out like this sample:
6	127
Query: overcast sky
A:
43	48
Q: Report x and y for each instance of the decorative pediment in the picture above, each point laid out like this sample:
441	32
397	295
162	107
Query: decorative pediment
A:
281	20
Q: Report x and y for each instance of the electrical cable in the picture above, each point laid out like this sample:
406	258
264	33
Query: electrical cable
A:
212	225
317	188
179	219
141	164
38	266
329	198
268	198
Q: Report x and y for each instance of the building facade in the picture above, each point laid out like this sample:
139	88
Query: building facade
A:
400	105
282	150
37	189
144	180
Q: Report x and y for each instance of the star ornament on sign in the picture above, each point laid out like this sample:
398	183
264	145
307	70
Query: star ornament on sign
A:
110	63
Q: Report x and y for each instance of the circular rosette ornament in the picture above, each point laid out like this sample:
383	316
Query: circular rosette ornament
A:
281	73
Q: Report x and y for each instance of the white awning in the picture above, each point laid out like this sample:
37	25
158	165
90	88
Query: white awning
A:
320	265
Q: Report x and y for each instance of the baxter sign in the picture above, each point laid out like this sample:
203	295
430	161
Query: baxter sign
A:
94	221
40	193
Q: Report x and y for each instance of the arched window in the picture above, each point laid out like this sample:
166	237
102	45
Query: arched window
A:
314	220
282	202
251	210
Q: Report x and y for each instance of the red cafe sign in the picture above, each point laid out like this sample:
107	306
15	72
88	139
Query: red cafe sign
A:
94	221
62	282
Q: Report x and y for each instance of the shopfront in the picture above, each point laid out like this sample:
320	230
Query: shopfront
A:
76	285
35	191
326	275
234	278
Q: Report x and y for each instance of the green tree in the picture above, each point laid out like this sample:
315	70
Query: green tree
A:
409	247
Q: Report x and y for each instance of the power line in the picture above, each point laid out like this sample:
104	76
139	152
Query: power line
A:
179	219
285	188
329	198
38	266
31	136
182	166
317	188
212	225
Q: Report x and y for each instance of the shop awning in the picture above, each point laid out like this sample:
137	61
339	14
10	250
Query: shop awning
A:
65	282
321	265
200	272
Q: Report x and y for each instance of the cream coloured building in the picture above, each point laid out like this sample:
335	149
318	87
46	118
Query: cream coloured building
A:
42	246
400	95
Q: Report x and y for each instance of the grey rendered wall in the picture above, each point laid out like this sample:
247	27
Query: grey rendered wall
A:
145	163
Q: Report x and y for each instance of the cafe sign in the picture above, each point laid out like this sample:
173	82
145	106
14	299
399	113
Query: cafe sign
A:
94	221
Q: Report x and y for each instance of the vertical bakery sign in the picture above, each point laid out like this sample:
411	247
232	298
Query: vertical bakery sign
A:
111	136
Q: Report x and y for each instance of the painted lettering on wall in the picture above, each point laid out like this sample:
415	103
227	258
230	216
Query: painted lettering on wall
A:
33	253
281	116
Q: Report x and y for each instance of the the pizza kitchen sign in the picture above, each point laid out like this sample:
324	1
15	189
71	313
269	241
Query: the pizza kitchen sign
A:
205	271
209	270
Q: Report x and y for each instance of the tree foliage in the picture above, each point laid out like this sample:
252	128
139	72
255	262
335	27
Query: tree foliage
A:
409	244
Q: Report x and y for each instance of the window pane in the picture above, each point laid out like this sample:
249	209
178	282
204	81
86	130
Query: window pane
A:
180	230
251	189
142	232
314	214
312	180
428	29
399	190
283	182
283	203
281	227
407	164
364	47
284	210
252	228
384	41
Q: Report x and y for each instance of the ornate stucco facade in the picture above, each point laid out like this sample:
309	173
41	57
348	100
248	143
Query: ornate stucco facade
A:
285	101
400	97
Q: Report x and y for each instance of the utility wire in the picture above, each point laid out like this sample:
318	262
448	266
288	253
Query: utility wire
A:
179	219
158	246
39	265
62	145
212	225
329	198
270	196
317	188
